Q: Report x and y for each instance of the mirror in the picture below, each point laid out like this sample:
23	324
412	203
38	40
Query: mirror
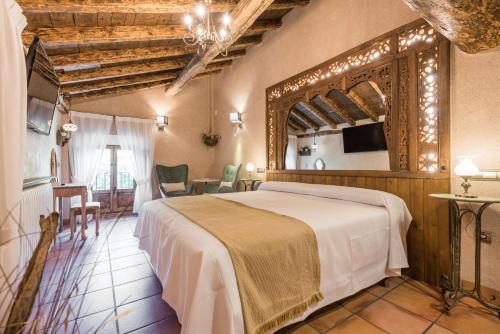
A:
315	131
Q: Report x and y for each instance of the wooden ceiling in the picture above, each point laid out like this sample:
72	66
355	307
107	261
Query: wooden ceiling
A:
102	47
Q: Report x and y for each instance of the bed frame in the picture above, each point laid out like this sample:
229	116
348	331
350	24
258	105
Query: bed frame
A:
419	151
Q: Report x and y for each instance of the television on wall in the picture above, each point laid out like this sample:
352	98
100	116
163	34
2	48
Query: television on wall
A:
43	94
364	138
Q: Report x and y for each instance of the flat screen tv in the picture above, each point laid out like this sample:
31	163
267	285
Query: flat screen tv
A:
364	138
42	95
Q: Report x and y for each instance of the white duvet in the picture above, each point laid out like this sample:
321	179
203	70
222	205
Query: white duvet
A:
360	233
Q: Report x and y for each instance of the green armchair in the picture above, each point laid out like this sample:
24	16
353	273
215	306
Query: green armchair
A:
229	181
174	174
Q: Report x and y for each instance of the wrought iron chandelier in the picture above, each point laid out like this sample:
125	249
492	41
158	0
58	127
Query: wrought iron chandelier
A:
202	32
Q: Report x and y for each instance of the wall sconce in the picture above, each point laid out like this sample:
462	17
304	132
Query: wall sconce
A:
161	122
235	117
314	146
466	169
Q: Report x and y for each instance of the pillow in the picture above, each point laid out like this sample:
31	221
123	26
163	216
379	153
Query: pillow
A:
174	186
228	184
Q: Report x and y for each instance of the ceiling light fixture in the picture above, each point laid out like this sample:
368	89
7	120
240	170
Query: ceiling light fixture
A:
201	31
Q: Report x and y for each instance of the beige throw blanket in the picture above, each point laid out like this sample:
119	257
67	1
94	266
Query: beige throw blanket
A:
275	258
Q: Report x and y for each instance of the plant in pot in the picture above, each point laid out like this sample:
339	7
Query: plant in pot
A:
210	139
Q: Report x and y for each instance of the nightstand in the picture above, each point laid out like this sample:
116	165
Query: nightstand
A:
451	289
249	184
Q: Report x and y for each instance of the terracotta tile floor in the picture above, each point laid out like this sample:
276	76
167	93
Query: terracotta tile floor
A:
111	288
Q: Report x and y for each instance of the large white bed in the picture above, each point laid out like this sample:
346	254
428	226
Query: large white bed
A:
360	235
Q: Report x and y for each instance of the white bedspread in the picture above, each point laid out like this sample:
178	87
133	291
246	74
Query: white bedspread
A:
360	236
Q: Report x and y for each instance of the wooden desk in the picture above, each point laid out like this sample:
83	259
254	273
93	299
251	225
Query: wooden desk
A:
70	190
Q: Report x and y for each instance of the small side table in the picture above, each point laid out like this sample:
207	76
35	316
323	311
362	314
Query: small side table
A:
452	290
70	190
249	183
204	182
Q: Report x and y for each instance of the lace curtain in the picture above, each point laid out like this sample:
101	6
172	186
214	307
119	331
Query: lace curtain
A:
86	147
136	136
13	102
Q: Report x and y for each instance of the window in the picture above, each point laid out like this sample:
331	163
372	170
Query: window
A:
102	179
124	178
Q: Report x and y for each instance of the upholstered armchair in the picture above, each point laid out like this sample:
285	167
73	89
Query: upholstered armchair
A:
229	181
173	175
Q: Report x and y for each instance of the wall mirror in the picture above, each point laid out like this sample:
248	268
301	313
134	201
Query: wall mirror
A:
314	130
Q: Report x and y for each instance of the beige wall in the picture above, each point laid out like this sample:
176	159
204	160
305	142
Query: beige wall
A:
309	36
326	28
188	114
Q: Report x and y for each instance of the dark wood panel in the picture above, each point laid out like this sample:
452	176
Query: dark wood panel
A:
428	236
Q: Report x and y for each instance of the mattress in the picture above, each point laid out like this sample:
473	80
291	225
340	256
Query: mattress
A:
360	235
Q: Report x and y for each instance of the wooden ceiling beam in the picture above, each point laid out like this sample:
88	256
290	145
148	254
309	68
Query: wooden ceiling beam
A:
361	105
120	71
116	72
304	119
73	36
133	6
341	112
244	17
472	25
297	125
127	89
125	56
319	114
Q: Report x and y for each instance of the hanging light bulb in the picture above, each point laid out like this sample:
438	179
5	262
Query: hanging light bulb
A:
188	21
226	19
69	126
314	145
200	10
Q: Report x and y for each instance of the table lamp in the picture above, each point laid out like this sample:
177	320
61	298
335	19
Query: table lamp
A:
466	169
250	167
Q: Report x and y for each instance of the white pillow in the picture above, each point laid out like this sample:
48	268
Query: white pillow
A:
174	186
228	184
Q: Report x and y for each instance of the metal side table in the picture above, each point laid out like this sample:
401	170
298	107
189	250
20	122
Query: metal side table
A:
451	289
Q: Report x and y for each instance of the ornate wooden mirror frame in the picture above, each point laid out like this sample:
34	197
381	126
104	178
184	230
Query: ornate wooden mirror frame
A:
410	65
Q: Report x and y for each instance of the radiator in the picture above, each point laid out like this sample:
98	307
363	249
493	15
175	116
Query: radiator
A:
35	202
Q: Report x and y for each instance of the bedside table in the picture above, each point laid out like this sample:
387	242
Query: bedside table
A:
452	290
249	183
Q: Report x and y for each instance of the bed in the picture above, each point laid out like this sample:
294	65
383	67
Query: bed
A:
360	235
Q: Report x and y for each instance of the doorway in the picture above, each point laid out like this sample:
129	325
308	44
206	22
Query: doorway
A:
113	185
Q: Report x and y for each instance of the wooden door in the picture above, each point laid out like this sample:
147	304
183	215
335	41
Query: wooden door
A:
113	185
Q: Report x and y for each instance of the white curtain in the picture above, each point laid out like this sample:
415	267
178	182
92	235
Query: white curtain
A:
87	146
136	136
13	102
291	153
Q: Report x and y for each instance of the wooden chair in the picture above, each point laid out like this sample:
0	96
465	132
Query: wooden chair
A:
92	208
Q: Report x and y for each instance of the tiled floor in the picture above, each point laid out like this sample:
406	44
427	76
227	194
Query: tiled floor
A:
111	288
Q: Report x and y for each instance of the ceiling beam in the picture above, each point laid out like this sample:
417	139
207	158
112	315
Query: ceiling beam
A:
319	114
133	6
127	89
120	71
297	125
358	102
304	119
472	25
341	112
124	56
72	36
243	17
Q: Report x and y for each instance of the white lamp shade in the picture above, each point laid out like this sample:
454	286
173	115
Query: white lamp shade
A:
250	167
466	167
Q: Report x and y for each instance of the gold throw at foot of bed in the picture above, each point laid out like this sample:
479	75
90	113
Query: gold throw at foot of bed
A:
275	258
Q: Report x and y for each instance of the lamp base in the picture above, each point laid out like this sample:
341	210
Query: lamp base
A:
466	195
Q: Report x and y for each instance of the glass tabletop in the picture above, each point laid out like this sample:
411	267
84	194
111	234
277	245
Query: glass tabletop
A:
458	198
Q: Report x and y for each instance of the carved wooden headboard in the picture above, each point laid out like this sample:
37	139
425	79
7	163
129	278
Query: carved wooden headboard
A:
410	65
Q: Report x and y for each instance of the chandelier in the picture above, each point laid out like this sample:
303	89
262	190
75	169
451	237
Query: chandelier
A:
201	31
